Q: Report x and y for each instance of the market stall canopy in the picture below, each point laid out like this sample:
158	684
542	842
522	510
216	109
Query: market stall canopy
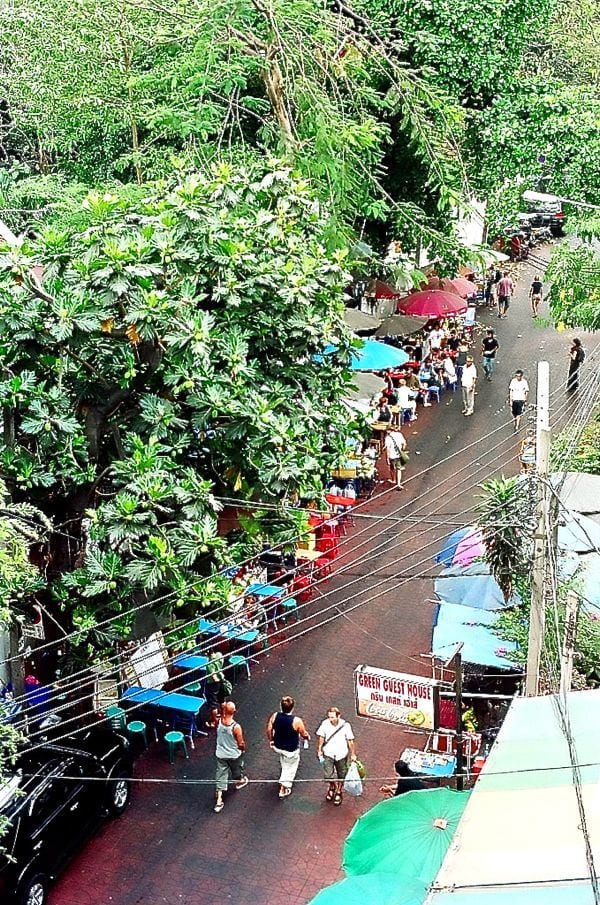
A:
472	586
441	284
492	256
446	554
358	320
382	290
579	491
372	356
365	386
372	889
472	627
432	303
520	839
577	532
407	835
400	325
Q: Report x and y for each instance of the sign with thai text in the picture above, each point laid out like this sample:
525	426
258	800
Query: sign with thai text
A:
396	697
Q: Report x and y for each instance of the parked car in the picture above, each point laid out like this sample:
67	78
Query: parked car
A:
48	817
547	213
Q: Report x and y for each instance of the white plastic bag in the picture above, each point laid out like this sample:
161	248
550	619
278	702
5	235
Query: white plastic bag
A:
353	783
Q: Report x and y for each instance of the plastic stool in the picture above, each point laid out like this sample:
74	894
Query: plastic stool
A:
173	739
192	687
434	392
138	728
289	605
117	718
236	661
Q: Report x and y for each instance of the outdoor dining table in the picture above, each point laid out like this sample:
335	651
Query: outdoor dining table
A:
190	661
228	630
170	700
275	593
334	500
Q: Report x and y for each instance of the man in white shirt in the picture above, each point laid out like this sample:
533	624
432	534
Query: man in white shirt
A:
468	383
406	400
435	338
335	744
518	392
395	446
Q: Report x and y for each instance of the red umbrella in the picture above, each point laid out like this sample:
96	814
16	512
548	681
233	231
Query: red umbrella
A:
442	284
432	303
465	288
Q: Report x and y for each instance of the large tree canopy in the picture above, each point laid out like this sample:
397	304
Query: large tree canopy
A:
169	355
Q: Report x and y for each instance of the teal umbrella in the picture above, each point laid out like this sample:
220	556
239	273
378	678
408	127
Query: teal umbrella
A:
373	889
407	836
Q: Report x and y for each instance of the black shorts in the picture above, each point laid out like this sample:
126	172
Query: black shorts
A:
517	407
505	301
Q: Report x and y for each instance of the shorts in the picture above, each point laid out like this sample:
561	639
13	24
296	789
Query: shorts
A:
517	407
335	768
504	301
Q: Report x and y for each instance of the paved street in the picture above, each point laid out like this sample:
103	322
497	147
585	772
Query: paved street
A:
170	847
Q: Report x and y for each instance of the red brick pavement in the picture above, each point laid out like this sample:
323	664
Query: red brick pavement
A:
170	847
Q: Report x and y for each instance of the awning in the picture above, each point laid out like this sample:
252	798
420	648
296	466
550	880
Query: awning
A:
471	626
472	586
579	491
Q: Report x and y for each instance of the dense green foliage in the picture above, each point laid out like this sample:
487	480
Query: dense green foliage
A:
505	517
574	272
169	355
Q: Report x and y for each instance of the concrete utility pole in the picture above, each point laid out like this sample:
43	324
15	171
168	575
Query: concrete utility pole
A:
542	532
566	658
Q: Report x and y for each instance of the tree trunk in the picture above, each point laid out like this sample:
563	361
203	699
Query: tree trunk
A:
273	81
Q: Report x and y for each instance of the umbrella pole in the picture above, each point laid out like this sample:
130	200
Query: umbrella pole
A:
458	684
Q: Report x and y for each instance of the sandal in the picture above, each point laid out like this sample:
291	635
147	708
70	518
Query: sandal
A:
330	795
337	798
219	807
284	793
242	783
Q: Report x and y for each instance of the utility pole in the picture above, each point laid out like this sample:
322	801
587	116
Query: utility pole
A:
458	683
566	659
542	532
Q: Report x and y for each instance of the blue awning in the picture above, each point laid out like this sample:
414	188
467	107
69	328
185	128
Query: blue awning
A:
472	586
471	626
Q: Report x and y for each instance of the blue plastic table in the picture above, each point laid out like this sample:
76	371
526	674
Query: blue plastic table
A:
429	763
190	661
171	700
265	590
142	695
228	630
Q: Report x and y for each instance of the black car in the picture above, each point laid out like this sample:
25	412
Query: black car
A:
48	816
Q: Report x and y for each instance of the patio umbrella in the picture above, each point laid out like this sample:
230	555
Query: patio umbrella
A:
400	325
465	288
382	290
376	356
432	303
358	320
470	548
446	554
442	284
365	386
372	356
373	889
407	836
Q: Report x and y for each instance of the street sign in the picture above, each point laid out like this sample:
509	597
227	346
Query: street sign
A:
396	697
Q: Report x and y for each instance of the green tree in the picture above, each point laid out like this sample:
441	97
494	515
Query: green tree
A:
505	516
574	272
169	356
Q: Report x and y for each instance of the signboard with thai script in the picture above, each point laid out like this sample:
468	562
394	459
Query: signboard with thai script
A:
396	697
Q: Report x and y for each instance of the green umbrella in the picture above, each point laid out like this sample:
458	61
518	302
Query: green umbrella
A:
407	836
373	889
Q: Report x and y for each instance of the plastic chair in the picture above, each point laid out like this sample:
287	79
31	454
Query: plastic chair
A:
322	567
173	739
435	392
405	416
136	728
289	605
117	718
236	661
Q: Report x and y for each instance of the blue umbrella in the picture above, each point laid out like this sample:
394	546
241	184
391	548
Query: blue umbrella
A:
446	554
372	356
373	889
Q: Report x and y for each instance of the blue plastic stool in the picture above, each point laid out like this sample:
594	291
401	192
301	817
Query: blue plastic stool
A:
117	718
434	391
173	739
289	606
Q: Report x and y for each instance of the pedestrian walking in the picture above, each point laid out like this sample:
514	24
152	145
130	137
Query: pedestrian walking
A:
536	295
229	752
490	287
489	349
505	290
396	456
215	685
576	359
335	746
468	384
461	357
284	731
518	393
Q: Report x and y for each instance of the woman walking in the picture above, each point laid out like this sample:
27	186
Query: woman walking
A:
576	359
